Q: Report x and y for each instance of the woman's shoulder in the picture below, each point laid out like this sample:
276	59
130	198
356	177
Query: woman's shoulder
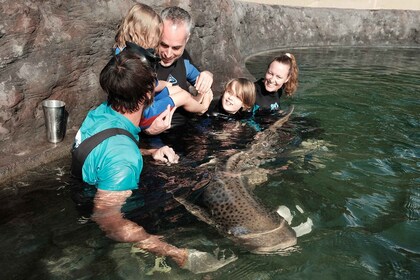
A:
259	85
259	82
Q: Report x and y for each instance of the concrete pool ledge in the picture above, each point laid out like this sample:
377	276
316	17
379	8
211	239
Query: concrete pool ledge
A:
16	162
56	50
353	4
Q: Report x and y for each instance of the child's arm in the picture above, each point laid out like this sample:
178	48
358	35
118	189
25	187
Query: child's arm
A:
184	99
161	85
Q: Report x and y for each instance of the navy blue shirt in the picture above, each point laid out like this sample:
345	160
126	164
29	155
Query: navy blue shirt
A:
181	73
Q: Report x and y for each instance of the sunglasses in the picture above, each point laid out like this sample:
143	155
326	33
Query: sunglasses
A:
147	55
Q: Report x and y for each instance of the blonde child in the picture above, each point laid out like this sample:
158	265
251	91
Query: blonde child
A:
142	26
141	29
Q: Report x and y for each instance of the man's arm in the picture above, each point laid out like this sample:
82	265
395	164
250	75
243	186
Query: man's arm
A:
107	214
202	81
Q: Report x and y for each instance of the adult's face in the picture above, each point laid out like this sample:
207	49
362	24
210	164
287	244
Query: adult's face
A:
173	41
277	74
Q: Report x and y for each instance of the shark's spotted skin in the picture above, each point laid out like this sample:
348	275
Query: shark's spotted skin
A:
228	204
233	206
225	197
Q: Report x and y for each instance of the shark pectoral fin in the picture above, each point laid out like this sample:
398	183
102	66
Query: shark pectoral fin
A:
196	210
303	228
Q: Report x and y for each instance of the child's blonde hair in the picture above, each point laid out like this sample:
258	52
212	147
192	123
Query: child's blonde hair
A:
245	91
142	26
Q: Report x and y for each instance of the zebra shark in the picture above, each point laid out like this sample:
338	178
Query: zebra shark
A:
228	204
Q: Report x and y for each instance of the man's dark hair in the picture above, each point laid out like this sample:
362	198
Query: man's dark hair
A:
128	81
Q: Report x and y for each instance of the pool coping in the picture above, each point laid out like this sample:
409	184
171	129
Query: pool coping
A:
12	164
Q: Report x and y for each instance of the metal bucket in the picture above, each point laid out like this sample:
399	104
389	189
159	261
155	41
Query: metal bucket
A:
55	119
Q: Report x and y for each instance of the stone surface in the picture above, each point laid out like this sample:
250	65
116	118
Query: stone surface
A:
56	49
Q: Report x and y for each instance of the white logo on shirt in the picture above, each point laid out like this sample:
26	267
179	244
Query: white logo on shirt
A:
172	80
275	106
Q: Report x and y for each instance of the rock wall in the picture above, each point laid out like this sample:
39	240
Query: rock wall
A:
56	50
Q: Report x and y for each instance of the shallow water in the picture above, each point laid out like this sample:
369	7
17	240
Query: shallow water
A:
353	167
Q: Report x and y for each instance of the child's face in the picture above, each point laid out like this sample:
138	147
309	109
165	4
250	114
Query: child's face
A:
231	102
277	74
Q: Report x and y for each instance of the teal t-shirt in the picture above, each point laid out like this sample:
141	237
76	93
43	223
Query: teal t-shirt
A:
116	163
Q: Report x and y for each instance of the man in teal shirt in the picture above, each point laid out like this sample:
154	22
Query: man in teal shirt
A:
114	165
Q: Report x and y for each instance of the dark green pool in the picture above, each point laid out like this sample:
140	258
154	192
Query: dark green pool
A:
361	183
355	171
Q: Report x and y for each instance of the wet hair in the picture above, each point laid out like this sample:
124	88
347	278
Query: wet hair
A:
128	81
291	85
178	16
245	91
142	25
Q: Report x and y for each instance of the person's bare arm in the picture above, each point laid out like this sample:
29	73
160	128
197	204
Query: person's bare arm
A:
107	214
184	99
161	85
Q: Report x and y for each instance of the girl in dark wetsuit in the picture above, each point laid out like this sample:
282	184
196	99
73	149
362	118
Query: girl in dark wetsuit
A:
281	77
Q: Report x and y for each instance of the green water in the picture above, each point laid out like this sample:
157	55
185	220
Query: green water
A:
361	181
354	171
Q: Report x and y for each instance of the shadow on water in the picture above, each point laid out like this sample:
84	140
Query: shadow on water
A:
352	167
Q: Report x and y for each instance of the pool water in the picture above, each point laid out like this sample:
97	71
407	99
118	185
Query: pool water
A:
352	168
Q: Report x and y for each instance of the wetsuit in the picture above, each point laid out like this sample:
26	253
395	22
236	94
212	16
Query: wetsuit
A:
266	101
181	73
216	110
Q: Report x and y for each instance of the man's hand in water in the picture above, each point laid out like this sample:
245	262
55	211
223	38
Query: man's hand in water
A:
156	245
164	154
162	122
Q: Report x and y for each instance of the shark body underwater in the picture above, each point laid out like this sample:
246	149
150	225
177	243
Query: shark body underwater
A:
227	203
